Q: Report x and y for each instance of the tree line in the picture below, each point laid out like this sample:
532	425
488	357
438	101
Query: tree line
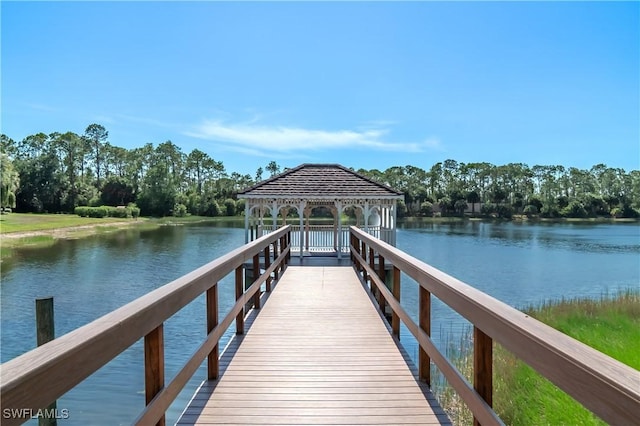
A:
59	172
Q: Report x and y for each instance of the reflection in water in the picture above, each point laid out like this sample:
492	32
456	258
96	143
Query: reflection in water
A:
520	264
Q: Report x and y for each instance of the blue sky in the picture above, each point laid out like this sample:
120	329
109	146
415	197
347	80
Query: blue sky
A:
364	84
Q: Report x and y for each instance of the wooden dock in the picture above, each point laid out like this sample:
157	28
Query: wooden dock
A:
318	352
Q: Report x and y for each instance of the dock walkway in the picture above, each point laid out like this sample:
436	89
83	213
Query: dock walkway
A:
318	352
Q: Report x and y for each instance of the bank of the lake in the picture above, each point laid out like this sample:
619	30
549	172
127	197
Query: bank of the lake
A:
610	324
34	231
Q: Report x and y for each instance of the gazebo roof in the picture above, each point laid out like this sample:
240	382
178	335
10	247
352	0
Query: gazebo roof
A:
320	181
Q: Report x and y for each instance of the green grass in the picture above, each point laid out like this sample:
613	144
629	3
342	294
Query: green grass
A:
37	241
27	222
610	325
522	396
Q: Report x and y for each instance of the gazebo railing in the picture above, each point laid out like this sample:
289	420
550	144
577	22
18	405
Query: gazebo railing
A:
324	238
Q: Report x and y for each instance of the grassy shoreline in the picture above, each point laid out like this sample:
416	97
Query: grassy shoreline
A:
521	396
31	231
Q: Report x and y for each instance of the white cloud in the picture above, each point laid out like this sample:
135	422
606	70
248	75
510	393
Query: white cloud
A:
434	144
251	137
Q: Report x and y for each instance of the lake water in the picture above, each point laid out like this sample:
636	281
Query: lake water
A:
520	264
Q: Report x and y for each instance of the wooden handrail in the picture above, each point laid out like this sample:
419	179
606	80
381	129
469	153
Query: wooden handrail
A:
605	386
34	379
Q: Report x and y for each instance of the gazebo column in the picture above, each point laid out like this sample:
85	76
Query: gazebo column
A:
336	217
339	209
246	221
285	213
301	216
260	221
394	225
307	215
274	215
366	216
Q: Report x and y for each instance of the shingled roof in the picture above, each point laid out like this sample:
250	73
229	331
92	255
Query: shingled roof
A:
319	181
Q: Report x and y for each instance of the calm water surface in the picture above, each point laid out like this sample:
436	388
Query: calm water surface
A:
520	264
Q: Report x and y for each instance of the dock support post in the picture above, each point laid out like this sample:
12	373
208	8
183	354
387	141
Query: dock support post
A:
213	362
239	293
154	366
424	361
482	367
395	319
45	332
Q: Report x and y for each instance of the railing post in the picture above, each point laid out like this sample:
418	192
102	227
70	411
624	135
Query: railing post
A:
381	275
239	293
363	252
276	271
482	367
154	366
288	244
256	275
267	263
352	240
424	361
213	362
45	332
356	246
372	264
395	319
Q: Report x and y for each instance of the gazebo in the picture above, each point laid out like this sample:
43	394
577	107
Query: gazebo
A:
331	187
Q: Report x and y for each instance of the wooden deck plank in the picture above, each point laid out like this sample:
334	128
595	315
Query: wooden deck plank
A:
316	353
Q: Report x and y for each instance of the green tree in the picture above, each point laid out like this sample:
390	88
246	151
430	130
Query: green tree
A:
117	192
9	182
96	136
473	197
273	168
70	147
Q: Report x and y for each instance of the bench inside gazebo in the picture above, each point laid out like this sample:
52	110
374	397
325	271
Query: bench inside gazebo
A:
330	187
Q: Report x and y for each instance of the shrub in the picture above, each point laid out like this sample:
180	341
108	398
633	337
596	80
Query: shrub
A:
98	211
107	211
82	211
505	210
135	211
180	210
229	207
121	212
488	208
574	209
426	209
530	210
549	211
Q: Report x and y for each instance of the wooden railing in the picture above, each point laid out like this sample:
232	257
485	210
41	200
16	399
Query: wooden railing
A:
608	388
33	380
